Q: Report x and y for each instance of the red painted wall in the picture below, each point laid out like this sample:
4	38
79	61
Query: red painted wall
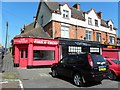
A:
112	53
30	44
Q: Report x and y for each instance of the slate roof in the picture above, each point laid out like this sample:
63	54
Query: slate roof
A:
78	14
29	27
55	6
104	23
36	33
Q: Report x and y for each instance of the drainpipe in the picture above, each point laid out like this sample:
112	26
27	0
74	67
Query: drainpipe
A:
76	29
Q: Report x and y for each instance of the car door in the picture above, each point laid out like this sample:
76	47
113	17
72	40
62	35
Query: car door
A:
70	65
62	65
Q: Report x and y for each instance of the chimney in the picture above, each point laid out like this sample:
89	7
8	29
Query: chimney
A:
77	6
100	14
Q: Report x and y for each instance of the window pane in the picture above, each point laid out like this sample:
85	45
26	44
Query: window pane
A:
43	54
22	53
96	22
89	21
65	32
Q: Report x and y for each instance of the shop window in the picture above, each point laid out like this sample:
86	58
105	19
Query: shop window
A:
74	49
44	55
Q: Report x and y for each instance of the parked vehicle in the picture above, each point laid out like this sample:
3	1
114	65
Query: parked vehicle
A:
81	68
114	67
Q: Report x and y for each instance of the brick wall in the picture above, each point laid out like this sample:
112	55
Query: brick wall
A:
57	29
80	34
76	32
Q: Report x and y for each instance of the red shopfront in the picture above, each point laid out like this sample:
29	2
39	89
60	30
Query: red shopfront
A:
111	52
29	52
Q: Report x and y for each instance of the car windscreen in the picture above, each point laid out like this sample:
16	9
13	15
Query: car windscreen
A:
116	61
98	59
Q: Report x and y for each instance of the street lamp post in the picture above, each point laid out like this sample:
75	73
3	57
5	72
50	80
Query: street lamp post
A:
6	36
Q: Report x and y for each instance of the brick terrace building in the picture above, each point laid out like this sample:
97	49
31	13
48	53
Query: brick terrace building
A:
62	20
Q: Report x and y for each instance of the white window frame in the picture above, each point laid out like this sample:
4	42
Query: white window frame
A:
65	14
110	27
88	33
112	39
65	31
96	24
89	21
98	36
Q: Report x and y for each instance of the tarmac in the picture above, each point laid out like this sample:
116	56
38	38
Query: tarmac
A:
11	77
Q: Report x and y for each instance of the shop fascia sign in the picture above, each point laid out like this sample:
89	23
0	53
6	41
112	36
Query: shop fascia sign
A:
82	43
49	42
21	40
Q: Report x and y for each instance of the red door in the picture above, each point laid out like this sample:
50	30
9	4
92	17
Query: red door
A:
23	57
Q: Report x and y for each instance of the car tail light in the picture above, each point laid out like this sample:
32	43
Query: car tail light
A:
90	61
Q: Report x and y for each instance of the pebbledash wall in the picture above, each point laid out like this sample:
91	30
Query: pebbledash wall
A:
29	52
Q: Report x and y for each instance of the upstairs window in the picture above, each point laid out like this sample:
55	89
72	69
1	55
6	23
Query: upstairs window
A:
98	36
65	32
110	27
112	40
89	21
96	22
88	35
65	14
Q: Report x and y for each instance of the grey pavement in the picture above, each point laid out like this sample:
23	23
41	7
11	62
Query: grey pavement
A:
1	62
8	65
9	74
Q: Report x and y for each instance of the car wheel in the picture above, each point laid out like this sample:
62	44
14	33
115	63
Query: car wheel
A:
77	79
54	73
112	76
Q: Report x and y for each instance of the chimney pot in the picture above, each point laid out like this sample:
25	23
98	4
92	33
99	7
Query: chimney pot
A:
77	6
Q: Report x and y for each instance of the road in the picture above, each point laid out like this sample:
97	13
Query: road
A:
41	78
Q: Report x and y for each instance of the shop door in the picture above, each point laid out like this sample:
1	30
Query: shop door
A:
23	58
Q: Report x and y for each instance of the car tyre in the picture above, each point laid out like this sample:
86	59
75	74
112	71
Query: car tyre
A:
54	73
112	76
77	79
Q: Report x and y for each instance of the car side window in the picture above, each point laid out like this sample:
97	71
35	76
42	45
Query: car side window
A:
81	59
108	63
64	60
72	60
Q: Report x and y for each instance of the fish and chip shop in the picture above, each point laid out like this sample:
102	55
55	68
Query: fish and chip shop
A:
30	52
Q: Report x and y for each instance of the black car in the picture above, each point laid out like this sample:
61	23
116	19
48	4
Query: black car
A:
81	68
